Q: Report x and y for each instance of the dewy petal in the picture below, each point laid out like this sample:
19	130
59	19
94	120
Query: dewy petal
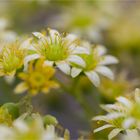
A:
108	59
48	63
114	133
81	50
30	58
38	35
103	127
75	71
64	67
101	50
105	71
93	77
76	60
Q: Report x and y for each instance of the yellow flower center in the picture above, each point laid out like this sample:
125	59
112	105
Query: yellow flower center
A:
36	79
11	58
91	60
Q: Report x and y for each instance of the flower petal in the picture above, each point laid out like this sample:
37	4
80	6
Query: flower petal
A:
30	58
48	63
38	35
114	133
93	77
64	67
103	127
81	50
105	71
101	50
77	60
125	102
108	59
20	88
75	71
128	123
137	95
70	38
54	34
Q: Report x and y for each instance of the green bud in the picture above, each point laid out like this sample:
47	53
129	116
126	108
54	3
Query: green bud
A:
12	108
49	120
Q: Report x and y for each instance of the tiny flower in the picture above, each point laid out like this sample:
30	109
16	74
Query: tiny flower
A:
57	50
11	58
37	79
95	63
123	115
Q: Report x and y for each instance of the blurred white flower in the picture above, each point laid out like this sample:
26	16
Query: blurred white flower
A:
29	130
96	63
123	115
56	50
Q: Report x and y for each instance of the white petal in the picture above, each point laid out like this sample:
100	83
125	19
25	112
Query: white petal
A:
103	127
21	125
100	118
54	35
125	101
77	60
70	38
108	59
30	58
48	63
93	77
101	50
114	133
137	95
64	67
26	44
105	71
38	35
81	50
111	107
115	115
75	71
128	123
9	79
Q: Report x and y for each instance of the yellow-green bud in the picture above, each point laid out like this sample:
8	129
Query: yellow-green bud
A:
12	108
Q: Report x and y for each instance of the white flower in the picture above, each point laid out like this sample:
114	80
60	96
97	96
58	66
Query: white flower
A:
57	50
123	115
96	63
29	130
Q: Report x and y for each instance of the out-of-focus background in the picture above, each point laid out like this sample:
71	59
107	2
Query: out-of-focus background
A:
113	23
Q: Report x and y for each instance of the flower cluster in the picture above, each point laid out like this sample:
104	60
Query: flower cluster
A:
70	55
122	115
53	50
31	128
